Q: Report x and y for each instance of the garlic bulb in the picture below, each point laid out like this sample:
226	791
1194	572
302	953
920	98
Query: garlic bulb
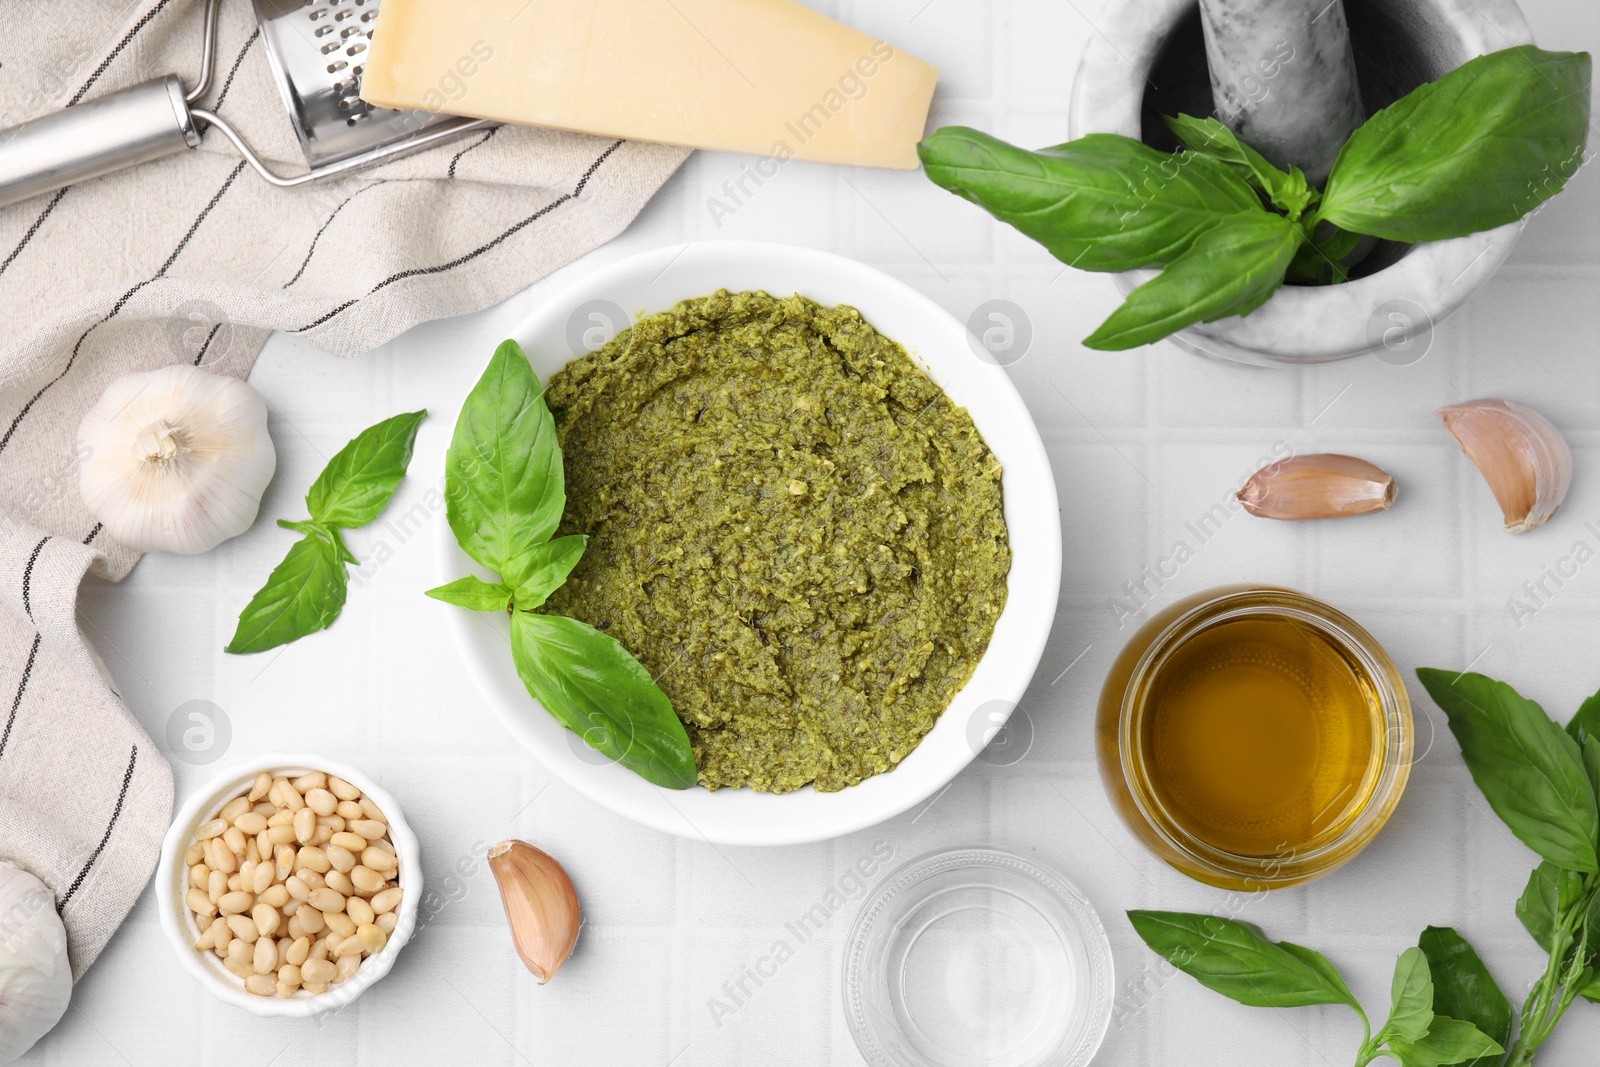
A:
1317	486
35	978
1521	455
176	459
541	905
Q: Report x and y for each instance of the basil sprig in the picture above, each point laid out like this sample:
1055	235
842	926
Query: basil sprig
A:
306	592
505	491
1235	959
1482	146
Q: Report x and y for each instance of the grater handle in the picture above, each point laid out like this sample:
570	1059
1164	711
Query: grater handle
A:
128	127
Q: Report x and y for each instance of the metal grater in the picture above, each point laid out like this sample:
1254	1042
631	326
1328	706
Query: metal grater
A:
315	48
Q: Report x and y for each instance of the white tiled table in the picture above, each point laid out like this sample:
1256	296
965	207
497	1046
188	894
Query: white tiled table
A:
1141	443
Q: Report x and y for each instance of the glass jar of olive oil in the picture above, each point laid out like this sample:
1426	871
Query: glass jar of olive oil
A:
1254	737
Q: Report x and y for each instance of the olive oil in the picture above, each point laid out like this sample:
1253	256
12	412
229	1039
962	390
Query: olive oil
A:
1254	737
1259	736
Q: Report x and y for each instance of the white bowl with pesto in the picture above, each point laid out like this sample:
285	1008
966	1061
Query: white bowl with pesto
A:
592	310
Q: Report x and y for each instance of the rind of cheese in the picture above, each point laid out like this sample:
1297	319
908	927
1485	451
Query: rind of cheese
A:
769	77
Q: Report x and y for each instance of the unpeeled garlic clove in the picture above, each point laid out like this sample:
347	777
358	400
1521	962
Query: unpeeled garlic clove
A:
541	905
1323	485
175	459
1520	454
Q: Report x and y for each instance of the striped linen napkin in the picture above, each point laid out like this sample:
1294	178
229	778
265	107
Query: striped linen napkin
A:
195	258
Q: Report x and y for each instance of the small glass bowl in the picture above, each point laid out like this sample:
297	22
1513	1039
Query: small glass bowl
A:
1124	707
977	956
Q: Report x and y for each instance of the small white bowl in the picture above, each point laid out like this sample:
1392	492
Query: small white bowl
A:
595	307
172	882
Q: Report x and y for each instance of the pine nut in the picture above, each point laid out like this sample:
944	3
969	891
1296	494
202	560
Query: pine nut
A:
387	921
371	829
262	985
312	921
281	835
234	885
221	934
222	857
211	829
305	824
243	929
235	902
194	854
321	801
290	797
234	808
292	905
313	858
350	946
365	879
309	781
274	896
347	967
372	938
378	859
266	956
319	951
387	900
323	835
318	971
349	809
263	879
339	882
251	823
298	951
267	919
263	846
372	809
326	900
281	817
340	858
311	878
200	904
235	839
251	853
297	889
360	911
199	875
343	789
339	923
289	975
385	844
266	809
216	885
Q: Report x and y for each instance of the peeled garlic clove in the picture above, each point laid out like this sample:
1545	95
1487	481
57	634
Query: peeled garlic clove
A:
541	905
1524	459
35	977
1319	486
175	459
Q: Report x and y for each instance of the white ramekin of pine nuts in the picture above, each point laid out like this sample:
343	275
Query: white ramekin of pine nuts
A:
288	885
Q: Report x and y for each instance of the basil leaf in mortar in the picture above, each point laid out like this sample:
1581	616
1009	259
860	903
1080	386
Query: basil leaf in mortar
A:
595	688
1478	148
1410	998
546	568
504	486
1231	269
358	482
1236	960
1528	768
1103	202
1464	989
1288	190
474	594
304	594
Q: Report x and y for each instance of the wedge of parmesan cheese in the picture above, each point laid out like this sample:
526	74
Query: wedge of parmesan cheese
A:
769	77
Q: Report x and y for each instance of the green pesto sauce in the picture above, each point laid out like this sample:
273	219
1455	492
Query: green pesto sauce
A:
791	526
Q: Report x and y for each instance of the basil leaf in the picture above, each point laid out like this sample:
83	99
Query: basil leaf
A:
1464	989
1478	148
1236	960
1527	766
303	594
1446	1041
546	568
1591	761
1231	269
504	487
1322	258
474	594
359	481
1103	202
1536	908
1410	998
596	689
1288	190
